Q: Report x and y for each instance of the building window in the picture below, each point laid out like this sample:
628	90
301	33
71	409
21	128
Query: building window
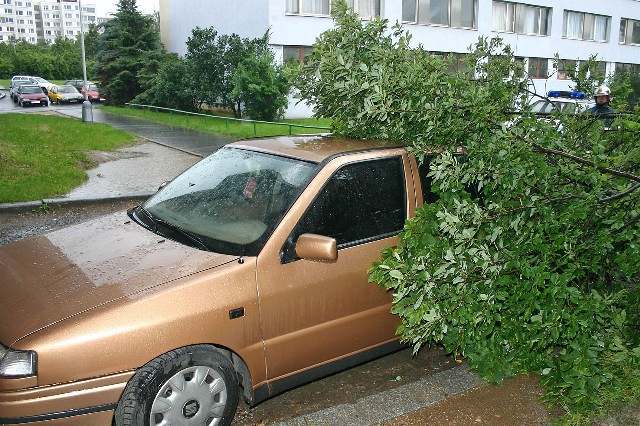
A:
450	13
296	53
629	31
310	7
566	69
539	68
365	8
521	18
628	68
586	26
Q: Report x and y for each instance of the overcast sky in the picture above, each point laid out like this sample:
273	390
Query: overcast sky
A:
104	7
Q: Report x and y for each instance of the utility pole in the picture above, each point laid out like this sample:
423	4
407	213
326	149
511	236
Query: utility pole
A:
87	112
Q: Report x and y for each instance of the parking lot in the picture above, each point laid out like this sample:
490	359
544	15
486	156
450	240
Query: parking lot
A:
7	105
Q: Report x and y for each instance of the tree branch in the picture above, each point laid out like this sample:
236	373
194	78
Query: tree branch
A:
580	160
620	194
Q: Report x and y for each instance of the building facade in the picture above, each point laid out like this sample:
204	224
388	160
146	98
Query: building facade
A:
537	30
61	18
17	21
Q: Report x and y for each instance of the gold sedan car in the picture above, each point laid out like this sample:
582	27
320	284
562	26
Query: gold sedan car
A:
243	277
64	94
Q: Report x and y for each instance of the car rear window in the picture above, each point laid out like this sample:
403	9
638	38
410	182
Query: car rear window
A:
30	89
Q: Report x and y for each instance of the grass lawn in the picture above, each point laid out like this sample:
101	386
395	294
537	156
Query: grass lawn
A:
44	155
221	126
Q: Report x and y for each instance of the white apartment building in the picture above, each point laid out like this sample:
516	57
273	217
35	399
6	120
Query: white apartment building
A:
61	18
17	21
536	29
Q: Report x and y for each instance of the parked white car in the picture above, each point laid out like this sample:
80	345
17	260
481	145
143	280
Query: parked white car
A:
564	102
16	82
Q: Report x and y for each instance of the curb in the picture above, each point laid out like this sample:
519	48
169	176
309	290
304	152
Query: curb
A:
30	205
169	146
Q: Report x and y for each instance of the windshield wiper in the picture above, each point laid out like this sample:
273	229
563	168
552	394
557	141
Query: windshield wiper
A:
157	221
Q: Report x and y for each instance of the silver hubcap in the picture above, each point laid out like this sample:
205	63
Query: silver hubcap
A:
193	396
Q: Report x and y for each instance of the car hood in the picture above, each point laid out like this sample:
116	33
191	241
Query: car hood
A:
55	276
33	96
71	95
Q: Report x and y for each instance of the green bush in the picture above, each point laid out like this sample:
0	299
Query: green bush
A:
262	87
528	260
167	86
60	60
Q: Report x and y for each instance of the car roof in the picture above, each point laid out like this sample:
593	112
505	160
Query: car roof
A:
316	148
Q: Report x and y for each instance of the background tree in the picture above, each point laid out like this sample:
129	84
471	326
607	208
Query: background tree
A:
261	87
528	258
213	59
129	42
168	85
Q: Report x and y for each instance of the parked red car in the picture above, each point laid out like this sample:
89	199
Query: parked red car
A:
28	95
92	92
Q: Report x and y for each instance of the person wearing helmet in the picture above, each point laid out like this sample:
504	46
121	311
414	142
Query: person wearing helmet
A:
602	109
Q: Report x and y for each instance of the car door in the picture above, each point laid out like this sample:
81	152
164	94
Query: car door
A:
313	312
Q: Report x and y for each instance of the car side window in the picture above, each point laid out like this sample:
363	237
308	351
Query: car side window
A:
425	181
361	202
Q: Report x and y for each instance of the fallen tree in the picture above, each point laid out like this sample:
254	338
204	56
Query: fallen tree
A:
528	260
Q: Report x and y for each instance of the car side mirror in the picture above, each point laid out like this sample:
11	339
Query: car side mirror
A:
317	248
163	184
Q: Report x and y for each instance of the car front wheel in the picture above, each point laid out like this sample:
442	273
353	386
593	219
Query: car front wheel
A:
195	385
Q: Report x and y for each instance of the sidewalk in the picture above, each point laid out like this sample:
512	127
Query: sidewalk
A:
190	141
514	402
133	171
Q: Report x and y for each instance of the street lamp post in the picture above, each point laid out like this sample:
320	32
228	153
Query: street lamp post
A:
87	112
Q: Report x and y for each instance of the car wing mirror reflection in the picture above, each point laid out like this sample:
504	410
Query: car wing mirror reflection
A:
317	248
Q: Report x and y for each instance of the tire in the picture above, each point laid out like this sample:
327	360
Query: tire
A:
191	385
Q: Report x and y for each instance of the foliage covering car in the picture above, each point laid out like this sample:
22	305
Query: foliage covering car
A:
246	275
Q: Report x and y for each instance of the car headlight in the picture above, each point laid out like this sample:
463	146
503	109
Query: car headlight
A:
14	364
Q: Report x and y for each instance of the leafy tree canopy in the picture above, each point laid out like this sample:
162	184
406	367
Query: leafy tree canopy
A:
130	42
261	87
528	258
213	59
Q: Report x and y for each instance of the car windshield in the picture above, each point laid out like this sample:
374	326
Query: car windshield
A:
30	89
93	87
232	200
40	80
67	89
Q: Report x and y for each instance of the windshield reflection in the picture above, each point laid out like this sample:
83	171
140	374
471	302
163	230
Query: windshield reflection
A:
233	199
